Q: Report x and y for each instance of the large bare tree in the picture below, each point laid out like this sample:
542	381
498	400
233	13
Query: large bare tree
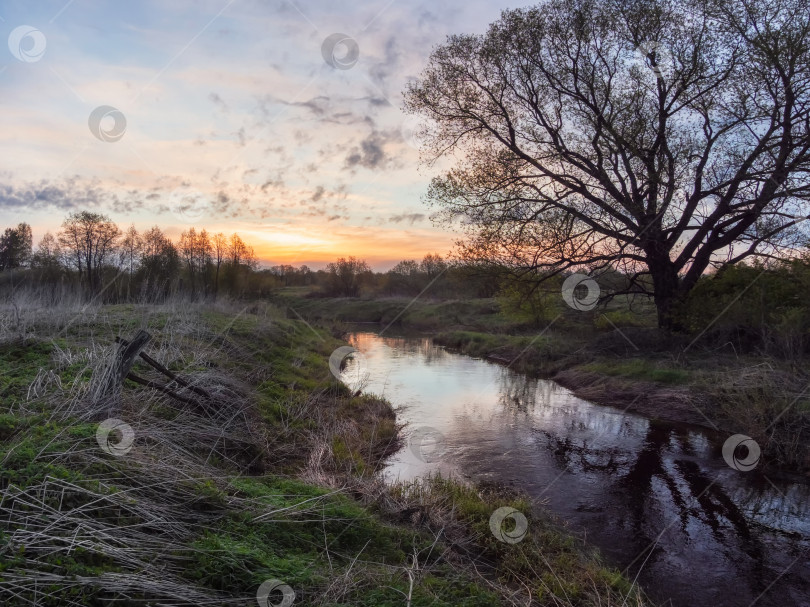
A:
661	138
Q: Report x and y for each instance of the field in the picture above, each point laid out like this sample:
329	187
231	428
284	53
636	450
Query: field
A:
264	490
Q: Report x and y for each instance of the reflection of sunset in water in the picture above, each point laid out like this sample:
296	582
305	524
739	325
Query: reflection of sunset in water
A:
628	482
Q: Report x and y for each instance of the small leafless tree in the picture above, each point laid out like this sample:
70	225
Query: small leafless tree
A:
131	248
219	244
195	249
345	276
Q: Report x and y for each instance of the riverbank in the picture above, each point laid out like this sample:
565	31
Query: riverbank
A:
268	482
729	395
611	362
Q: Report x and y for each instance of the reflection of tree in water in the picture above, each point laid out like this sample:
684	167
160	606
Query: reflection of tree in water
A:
651	474
638	470
575	455
519	393
785	507
655	478
398	347
423	347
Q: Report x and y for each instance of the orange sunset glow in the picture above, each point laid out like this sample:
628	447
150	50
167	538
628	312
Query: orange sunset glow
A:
246	128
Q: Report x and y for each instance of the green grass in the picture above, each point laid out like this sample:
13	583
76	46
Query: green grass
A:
318	537
623	317
407	312
551	563
19	363
334	547
640	369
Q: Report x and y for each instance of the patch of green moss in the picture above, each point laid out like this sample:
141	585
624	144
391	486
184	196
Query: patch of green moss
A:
19	364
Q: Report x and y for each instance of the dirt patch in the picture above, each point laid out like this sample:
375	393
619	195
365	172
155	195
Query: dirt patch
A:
676	404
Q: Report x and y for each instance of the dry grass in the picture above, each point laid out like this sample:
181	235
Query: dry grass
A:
198	511
134	515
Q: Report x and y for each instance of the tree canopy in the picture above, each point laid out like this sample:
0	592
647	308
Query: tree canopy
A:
661	138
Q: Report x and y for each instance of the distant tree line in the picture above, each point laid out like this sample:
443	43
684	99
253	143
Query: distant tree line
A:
763	307
91	253
432	277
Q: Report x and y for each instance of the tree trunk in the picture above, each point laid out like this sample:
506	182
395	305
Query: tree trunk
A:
108	386
668	294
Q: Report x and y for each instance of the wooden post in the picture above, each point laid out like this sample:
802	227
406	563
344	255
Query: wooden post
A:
125	356
128	353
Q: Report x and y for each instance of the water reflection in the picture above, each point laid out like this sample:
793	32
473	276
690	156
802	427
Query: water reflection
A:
656	497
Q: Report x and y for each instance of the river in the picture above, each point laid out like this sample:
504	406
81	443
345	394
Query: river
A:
656	497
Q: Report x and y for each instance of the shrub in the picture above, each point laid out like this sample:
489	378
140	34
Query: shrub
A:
754	307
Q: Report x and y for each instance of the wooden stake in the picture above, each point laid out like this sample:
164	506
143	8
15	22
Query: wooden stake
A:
156	365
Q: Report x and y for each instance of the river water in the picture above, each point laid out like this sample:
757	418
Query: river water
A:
656	497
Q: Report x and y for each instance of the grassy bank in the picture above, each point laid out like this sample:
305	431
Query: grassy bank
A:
270	477
419	314
756	396
615	358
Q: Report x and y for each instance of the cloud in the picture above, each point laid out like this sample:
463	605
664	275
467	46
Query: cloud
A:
370	154
381	72
218	101
68	195
411	218
294	138
376	101
317	106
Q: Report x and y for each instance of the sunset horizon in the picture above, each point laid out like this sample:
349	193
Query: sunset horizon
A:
297	246
226	116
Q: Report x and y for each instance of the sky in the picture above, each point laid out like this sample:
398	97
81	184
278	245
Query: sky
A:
279	120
